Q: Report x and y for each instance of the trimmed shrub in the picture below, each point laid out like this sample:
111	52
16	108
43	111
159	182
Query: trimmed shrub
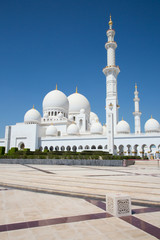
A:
26	149
2	150
46	151
12	151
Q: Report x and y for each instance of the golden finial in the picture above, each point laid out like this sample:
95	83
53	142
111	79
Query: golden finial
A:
122	118
33	106
151	116
56	86
135	85
110	21
76	90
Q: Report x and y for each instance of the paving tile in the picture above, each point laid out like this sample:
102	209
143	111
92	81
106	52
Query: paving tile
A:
33	215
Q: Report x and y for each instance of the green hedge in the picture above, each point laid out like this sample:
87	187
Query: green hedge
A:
2	150
12	151
46	154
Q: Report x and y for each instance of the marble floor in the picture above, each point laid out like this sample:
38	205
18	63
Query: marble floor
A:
67	202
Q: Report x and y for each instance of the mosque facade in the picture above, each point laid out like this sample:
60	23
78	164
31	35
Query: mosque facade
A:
68	124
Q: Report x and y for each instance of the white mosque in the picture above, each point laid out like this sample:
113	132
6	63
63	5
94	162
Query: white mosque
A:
68	124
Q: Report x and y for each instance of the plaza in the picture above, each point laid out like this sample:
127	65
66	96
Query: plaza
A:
68	202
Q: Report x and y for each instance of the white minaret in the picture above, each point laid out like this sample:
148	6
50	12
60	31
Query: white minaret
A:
137	113
111	72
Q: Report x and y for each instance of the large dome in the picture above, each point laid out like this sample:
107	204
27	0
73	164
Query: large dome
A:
152	125
32	116
55	100
77	102
123	127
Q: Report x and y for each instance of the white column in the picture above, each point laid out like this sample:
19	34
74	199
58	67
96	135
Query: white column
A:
137	113
7	138
110	133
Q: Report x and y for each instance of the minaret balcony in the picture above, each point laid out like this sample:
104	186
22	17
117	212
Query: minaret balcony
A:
111	44
109	69
137	113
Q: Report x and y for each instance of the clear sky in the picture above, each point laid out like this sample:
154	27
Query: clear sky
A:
44	42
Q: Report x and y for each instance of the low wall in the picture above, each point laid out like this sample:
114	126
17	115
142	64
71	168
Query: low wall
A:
91	162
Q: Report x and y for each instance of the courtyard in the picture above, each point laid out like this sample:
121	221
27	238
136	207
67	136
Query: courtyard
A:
68	202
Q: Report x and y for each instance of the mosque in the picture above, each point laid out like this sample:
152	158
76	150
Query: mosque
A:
68	124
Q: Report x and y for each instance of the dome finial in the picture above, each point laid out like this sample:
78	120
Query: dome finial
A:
56	86
151	116
135	86
122	118
110	22
33	106
76	90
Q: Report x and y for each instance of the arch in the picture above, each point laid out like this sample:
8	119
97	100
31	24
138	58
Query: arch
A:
59	133
105	147
80	147
56	148
62	148
144	150
74	118
51	148
21	145
41	149
100	147
129	149
93	147
121	150
80	123
74	148
152	147
86	147
68	148
115	149
135	149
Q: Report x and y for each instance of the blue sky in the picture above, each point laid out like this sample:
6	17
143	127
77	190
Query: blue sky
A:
57	41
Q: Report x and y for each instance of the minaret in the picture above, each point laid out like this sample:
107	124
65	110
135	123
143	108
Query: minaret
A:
111	72
137	113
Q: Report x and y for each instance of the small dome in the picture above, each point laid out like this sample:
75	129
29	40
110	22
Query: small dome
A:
152	125
60	115
96	128
32	116
51	131
77	102
73	129
93	117
55	100
123	127
82	111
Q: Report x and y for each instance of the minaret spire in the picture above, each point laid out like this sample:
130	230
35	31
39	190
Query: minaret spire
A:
111	72
137	113
110	22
